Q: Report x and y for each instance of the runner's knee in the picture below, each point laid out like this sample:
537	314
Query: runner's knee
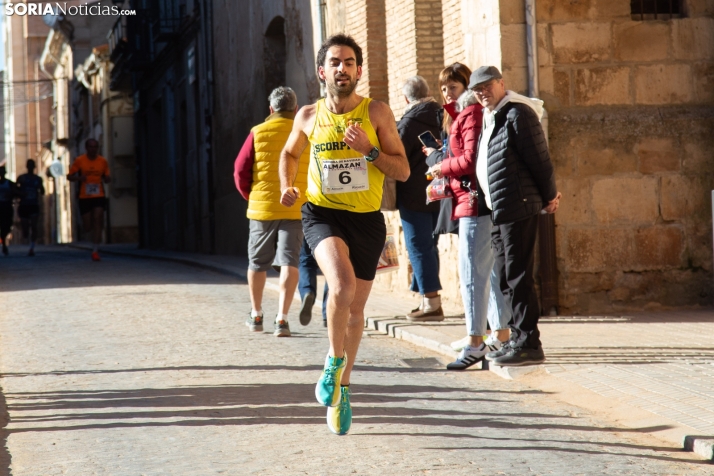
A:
342	293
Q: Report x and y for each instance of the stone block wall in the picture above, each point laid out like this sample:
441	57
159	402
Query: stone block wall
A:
591	53
634	228
630	105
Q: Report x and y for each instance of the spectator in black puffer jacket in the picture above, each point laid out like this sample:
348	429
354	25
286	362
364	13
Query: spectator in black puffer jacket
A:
516	174
418	217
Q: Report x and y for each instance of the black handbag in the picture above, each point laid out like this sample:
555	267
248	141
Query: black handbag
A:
444	224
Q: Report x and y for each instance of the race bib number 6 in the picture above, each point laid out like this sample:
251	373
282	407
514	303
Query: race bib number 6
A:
91	188
344	175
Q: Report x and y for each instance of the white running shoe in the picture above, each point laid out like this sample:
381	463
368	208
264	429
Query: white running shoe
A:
492	340
458	345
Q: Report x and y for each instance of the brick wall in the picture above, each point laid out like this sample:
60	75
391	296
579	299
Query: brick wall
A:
402	49
453	35
366	22
414	45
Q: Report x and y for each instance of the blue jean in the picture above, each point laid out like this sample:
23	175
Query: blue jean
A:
308	277
422	248
480	289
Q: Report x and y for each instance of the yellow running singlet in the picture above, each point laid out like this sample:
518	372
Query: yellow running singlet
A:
340	177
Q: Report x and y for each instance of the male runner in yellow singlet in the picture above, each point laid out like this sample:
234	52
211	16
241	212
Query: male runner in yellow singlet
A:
354	143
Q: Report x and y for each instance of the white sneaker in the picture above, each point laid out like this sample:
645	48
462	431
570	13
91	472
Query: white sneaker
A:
458	345
493	341
469	356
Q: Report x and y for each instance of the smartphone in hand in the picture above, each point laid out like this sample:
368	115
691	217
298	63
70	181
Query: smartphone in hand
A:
428	139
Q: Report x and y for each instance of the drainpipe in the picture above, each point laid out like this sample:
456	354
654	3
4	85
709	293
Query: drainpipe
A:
546	227
320	35
532	45
58	178
320	22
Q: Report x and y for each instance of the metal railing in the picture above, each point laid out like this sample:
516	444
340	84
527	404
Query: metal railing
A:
117	37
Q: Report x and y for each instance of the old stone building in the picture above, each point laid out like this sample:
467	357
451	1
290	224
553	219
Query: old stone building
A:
27	106
162	59
259	45
75	56
200	72
630	96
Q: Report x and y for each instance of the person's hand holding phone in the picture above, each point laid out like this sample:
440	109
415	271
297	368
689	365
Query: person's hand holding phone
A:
430	143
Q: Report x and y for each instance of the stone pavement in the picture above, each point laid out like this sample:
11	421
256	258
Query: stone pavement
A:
653	368
129	367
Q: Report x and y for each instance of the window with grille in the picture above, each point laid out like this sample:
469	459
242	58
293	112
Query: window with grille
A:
655	9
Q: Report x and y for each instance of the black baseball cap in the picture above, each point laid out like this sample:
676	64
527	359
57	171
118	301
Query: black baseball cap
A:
483	75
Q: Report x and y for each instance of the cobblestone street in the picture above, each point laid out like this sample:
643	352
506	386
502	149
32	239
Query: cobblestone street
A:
131	366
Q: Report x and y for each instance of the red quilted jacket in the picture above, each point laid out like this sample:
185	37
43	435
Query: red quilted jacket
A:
463	145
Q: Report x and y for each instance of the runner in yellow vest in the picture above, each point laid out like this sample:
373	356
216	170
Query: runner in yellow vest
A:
354	143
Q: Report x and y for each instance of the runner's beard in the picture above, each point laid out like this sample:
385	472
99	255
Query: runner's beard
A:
342	91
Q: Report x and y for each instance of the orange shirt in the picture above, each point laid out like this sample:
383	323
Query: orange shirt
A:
94	170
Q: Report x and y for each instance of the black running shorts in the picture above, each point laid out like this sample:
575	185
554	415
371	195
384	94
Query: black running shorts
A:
86	205
363	233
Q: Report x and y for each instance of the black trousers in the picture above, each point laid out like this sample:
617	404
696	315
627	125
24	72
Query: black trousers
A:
514	247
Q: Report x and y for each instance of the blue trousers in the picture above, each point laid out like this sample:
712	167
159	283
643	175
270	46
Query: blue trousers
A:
422	248
308	277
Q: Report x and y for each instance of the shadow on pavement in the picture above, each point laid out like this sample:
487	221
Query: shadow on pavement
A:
5	457
308	368
215	396
573	450
57	268
287	401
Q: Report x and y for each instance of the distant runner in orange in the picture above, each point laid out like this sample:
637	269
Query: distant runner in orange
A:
91	171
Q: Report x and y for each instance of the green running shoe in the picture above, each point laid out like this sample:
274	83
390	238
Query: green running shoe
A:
339	418
327	390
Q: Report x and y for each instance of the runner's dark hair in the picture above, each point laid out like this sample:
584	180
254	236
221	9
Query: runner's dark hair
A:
86	142
338	40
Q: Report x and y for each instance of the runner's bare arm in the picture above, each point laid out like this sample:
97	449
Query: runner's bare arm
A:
392	160
290	156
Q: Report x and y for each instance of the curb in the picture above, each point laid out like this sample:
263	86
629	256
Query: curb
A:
701	445
399	329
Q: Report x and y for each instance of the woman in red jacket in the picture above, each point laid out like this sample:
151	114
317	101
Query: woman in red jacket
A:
476	257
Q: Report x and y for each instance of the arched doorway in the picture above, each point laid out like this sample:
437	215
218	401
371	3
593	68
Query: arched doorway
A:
274	55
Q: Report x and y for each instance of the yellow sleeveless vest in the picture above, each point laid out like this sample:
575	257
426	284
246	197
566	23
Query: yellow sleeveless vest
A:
269	138
328	166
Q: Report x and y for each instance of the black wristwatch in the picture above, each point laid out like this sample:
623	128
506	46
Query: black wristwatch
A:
372	156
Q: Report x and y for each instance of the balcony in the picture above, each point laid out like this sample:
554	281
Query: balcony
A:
117	39
166	19
165	29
